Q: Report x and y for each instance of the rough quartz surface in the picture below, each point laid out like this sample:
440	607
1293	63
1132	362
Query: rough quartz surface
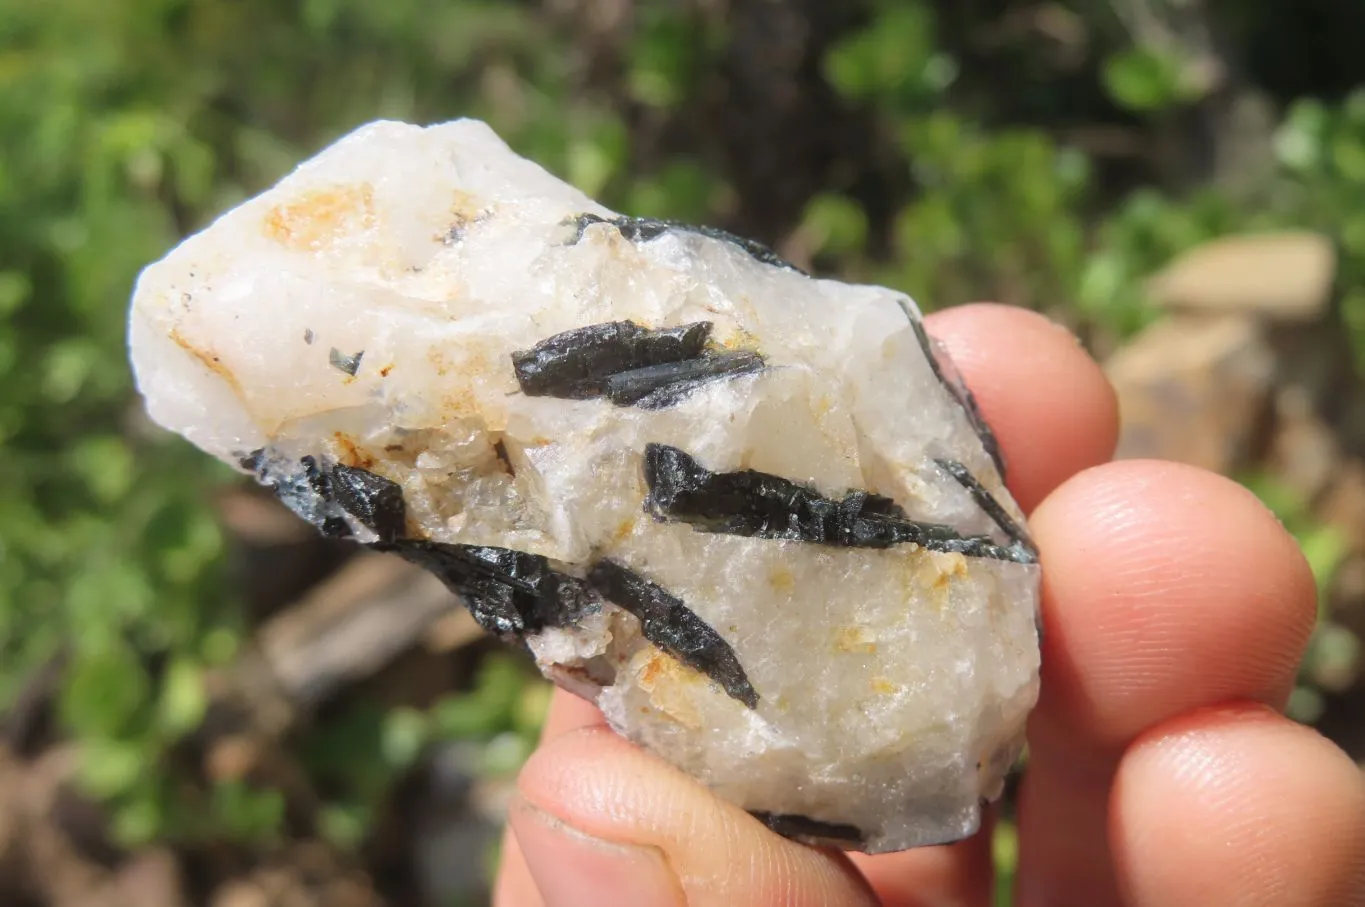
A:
751	514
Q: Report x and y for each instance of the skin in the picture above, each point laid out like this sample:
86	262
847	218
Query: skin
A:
1162	770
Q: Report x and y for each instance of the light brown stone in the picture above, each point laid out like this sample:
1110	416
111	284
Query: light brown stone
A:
1282	276
1194	390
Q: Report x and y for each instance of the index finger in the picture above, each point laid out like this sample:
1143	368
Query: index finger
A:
1050	406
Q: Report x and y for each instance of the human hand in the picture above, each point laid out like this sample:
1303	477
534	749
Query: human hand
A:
1161	771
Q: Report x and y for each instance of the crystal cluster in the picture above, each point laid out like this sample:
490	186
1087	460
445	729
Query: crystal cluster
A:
753	515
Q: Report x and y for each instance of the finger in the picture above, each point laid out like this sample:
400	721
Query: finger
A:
569	713
1054	414
1047	401
1166	589
514	886
1239	806
601	821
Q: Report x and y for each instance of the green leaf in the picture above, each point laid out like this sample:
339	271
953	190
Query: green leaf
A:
681	190
665	57
246	812
485	711
1325	548
1280	499
835	225
16	288
105	464
1333	659
106	692
109	768
1005	853
183	700
1306	705
344	824
464	718
895	58
1145	80
320	15
594	158
405	734
1353	314
1348	155
107	593
1302	137
185	538
65	369
138	822
532	707
505	754
219	646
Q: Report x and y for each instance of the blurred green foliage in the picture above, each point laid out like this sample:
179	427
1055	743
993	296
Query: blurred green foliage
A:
357	756
125	125
1333	657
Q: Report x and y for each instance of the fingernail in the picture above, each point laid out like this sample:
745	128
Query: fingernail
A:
573	869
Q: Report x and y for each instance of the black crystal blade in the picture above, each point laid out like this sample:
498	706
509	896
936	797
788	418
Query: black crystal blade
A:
667	622
304	487
576	364
761	505
659	386
962	394
510	593
987	502
375	501
628	364
790	825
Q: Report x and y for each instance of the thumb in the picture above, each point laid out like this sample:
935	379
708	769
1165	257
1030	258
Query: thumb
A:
601	823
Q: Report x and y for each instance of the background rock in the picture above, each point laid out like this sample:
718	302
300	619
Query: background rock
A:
1193	389
1279	276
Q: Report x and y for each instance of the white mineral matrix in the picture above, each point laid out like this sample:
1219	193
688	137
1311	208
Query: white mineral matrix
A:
752	515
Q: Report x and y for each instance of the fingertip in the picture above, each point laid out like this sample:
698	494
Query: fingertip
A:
1166	588
1048	402
1238	805
514	885
569	713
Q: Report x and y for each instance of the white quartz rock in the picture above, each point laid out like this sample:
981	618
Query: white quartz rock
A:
751	514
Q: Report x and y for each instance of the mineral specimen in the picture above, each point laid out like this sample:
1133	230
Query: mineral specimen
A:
753	515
